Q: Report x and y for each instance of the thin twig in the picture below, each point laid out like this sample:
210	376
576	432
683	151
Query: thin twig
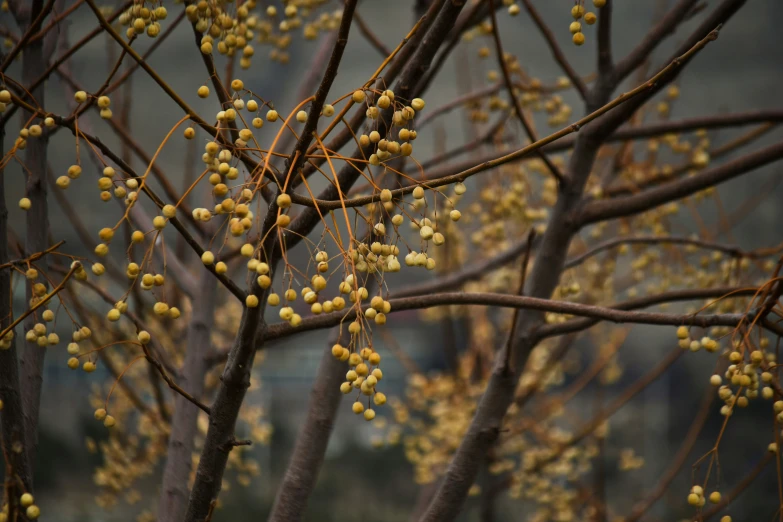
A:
76	265
531	134
560	58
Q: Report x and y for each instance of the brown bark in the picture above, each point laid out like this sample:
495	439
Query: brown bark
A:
176	474
37	239
302	472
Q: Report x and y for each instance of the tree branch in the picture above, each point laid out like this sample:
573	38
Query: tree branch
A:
179	458
595	132
371	37
576	325
37	234
558	54
618	313
706	32
640	508
665	27
531	134
605	65
732	250
12	417
602	210
485	425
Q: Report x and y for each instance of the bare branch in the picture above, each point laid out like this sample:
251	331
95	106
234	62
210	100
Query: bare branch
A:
37	234
174	489
618	313
683	55
704	410
576	325
605	65
618	207
741	486
32	29
12	418
665	27
531	134
732	250
551	41
371	37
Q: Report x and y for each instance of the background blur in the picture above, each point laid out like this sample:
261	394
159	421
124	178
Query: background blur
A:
743	70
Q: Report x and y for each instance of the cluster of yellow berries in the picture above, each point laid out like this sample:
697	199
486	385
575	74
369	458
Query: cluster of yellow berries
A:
27	502
747	377
534	96
38	335
140	19
103	102
81	334
232	28
34	130
363	375
402	117
696	497
101	415
686	343
589	18
5	99
7	339
133	270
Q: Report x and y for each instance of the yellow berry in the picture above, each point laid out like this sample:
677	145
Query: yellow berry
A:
579	38
160	308
284	201
357	407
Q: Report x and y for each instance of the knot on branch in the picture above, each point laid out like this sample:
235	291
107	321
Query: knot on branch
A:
489	434
234	442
